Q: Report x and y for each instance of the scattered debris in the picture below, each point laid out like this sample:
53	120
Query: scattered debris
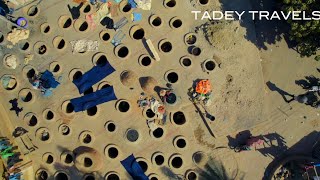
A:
11	61
17	35
83	45
143	4
28	58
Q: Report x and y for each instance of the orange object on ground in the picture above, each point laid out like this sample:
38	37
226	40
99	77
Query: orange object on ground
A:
203	87
161	109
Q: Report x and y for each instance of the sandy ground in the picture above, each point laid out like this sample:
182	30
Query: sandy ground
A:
241	99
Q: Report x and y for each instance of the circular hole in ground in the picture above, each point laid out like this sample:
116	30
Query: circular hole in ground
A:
106	37
105	86
113	176
143	165
158	133
33	121
90	177
102	60
65	130
192	175
172	77
196	51
166	47
26	95
110	126
156	21
186	62
42	175
33	11
24	46
153	178
87	162
146	61
1	38
159	159
88	91
123	106
45	28
170	3
77	75
9	82
210	65
49	159
126	8
69	108
190	39
92	111
31	73
45	136
49	115
87	8
150	113
113	152
56	68
123	52
59	43
181	143
203	2
132	135
84	26
87	139
42	49
138	34
61	176
65	21
68	159
179	118
177	23
176	162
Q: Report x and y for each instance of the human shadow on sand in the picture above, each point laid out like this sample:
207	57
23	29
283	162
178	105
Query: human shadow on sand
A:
283	93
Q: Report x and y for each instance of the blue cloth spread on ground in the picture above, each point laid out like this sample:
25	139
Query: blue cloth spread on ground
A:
133	168
90	100
132	3
48	81
91	77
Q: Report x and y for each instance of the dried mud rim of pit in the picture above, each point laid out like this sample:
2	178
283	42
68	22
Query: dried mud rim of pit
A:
81	25
31	119
209	65
169	3
171	76
105	36
86	137
175	23
121	51
143	163
158	158
145	60
86	8
65	22
165	46
64	130
153	177
48	158
157	133
155	21
67	157
178	118
49	115
111	151
190	39
132	135
179	142
43	134
33	11
59	43
203	2
55	67
67	107
125	7
104	84
42	174
112	176
1	38
176	161
45	28
40	48
75	73
29	72
12	78
24	46
191	175
99	59
123	106
137	32
26	95
110	126
186	61
61	175
4	60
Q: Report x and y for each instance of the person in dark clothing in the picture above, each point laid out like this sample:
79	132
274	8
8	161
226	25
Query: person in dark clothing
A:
75	11
14	103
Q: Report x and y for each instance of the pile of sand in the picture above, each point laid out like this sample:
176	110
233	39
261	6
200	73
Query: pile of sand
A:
11	61
17	35
83	45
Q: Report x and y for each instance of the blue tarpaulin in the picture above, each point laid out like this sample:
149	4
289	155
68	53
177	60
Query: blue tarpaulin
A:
132	3
94	75
48	81
90	100
133	168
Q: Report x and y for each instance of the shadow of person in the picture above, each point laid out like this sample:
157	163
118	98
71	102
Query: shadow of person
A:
75	11
283	93
308	82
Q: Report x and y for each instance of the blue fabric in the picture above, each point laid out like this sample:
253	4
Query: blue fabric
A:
132	3
93	99
91	77
137	17
133	168
48	81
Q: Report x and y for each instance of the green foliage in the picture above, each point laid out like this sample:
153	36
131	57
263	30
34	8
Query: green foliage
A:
305	33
